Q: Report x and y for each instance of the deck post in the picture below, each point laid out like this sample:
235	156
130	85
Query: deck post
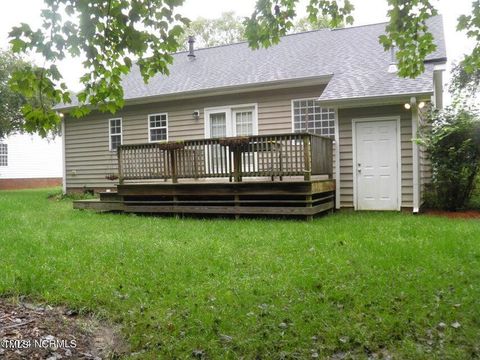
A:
120	165
308	200
237	164
307	157
173	166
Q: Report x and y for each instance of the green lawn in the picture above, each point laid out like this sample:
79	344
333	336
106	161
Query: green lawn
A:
354	283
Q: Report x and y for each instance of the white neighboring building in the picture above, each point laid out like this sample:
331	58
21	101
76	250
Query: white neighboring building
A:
28	161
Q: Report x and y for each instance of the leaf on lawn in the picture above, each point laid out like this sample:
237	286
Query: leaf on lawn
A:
225	338
198	354
344	339
456	325
441	326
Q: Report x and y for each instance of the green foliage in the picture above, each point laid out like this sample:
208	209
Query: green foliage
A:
11	119
475	199
107	34
471	24
226	29
453	143
466	74
229	28
407	32
306	24
366	285
464	84
110	35
274	19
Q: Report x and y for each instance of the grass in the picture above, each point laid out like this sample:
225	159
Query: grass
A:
355	284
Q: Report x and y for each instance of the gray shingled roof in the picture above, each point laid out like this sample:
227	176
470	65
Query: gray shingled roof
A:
353	56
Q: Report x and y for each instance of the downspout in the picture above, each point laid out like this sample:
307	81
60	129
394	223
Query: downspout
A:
415	155
337	161
64	166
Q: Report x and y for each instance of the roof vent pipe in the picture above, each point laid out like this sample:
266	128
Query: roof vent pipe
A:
392	68
191	50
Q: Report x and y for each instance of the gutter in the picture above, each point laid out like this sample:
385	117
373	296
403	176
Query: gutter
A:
372	100
223	90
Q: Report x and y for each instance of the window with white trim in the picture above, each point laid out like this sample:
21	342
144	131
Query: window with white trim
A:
115	133
243	122
3	155
309	116
157	127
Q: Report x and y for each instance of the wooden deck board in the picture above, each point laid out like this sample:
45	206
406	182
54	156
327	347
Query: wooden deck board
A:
295	198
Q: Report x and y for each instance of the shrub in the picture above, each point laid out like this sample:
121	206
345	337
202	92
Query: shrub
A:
453	144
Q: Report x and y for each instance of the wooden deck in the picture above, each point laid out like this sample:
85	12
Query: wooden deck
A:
285	198
286	174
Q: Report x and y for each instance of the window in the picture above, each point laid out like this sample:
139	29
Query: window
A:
157	127
218	125
309	116
3	155
240	120
243	122
115	133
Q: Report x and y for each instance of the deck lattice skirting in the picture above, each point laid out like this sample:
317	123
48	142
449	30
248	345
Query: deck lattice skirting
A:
174	177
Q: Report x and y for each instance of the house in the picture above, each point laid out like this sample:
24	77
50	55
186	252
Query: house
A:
339	84
28	161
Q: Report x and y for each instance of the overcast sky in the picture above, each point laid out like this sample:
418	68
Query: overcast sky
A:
14	12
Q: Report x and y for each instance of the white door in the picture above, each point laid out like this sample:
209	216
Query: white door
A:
376	165
225	122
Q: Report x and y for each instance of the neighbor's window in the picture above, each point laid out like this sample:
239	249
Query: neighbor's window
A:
115	133
309	116
3	155
157	125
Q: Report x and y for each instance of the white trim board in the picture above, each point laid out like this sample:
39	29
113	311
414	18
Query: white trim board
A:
399	155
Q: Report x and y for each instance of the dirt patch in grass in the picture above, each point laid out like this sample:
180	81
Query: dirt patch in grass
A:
466	214
29	331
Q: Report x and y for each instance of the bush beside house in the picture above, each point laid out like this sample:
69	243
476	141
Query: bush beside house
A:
453	144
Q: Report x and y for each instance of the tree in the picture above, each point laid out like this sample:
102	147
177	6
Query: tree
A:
464	84
110	33
453	143
306	24
11	119
226	29
229	29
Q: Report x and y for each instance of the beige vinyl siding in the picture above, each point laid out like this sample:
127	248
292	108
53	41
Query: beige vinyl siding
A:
88	158
346	152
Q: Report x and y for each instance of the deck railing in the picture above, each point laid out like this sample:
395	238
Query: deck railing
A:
272	156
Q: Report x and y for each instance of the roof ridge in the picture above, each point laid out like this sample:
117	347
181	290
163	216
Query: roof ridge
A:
359	26
284	36
378	23
294	34
245	41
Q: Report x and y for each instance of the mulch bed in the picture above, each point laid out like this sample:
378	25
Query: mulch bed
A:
29	331
466	214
